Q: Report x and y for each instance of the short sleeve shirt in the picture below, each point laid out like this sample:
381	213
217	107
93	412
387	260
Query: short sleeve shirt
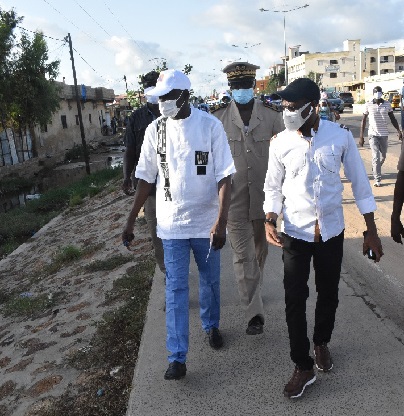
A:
378	117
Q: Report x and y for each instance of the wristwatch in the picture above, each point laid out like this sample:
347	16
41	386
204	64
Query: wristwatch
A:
271	221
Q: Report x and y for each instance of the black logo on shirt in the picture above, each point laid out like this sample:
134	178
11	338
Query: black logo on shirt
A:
201	160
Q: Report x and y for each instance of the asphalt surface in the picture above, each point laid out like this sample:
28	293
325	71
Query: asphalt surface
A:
247	376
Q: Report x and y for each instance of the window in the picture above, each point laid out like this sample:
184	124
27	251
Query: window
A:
333	75
333	61
77	119
64	122
372	59
371	73
401	68
384	59
89	118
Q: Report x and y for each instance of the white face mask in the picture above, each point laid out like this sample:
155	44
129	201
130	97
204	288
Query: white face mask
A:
169	108
293	119
377	95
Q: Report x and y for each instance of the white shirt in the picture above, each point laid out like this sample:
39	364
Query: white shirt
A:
378	117
303	180
195	202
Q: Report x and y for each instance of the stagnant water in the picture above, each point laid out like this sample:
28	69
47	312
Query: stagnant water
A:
71	172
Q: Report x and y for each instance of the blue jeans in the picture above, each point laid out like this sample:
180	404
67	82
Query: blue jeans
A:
177	260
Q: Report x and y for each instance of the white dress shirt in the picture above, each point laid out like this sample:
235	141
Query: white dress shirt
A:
198	156
303	180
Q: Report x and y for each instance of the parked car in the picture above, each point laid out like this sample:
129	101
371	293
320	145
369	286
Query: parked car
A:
347	98
204	107
273	100
336	103
394	98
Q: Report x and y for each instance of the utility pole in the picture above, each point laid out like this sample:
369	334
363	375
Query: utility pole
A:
83	136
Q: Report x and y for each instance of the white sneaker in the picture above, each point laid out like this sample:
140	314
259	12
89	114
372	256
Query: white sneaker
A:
377	184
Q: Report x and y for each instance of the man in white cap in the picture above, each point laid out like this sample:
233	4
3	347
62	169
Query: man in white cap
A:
249	126
187	150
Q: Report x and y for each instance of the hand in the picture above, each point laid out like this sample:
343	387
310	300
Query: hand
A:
218	235
127	186
272	235
372	241
400	135
361	141
337	116
127	236
397	230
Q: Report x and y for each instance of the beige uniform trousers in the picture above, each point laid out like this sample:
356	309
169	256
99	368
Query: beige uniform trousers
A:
150	215
250	249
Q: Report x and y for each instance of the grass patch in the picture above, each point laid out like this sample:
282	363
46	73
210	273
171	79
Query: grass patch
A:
115	345
65	256
17	225
110	263
26	304
13	185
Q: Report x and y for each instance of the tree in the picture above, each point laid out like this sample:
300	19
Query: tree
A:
8	22
275	81
29	76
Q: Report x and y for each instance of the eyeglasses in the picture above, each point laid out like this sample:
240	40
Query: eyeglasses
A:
293	108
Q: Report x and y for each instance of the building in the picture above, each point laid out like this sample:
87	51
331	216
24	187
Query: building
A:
63	132
343	70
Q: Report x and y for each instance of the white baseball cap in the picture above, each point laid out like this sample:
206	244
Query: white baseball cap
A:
169	80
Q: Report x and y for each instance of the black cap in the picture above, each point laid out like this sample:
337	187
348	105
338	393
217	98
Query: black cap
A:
149	79
301	88
377	89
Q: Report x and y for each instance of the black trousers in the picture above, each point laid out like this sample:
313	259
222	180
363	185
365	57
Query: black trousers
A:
327	259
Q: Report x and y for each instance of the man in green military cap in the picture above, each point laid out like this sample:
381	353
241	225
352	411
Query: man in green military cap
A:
249	126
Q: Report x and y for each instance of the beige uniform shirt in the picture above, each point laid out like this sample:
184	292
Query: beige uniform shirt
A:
249	147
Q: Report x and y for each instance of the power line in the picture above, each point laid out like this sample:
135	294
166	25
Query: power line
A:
73	24
38	31
123	27
85	11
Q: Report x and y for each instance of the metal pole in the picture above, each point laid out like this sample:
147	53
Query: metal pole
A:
284	40
83	137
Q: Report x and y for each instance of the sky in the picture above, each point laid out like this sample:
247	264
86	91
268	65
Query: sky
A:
131	37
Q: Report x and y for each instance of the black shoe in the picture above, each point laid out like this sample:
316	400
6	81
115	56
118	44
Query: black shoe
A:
215	338
175	371
255	326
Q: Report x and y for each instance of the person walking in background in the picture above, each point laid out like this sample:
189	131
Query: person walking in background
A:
378	110
187	150
249	126
303	183
133	140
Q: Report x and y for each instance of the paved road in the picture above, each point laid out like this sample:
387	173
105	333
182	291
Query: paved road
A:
247	376
384	283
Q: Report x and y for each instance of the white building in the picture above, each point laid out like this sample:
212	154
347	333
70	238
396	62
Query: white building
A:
344	70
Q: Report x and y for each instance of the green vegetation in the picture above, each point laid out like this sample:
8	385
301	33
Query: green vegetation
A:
25	70
26	304
12	185
17	225
110	263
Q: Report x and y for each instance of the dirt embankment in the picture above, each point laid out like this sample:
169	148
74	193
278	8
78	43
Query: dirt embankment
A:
72	304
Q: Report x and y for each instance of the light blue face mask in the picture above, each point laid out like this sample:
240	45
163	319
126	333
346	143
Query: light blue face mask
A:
243	96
